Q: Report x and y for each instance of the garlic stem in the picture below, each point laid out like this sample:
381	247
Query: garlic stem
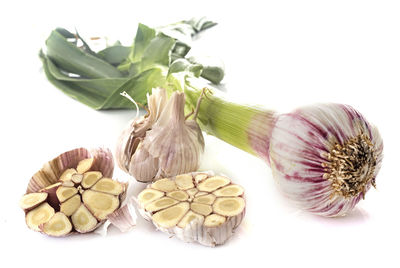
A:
231	122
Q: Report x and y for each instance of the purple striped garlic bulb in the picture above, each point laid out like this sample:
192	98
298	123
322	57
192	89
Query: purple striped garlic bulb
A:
325	157
163	143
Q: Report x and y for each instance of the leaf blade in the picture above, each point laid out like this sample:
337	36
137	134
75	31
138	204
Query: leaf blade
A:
70	58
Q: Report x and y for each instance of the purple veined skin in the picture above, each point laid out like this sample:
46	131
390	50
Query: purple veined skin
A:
324	157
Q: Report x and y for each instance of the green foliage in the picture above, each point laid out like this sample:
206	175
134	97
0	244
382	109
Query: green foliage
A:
96	79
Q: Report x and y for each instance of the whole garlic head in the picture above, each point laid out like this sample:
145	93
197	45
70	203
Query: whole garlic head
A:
325	157
162	143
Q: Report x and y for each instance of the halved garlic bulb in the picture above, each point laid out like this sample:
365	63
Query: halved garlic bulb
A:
75	192
195	207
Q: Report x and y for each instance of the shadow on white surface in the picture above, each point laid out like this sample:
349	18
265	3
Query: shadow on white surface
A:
358	216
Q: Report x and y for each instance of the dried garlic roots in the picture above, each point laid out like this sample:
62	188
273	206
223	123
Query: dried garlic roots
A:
196	207
80	201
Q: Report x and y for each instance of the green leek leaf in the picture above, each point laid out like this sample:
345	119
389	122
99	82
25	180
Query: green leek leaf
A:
97	78
144	35
158	51
72	59
114	55
103	93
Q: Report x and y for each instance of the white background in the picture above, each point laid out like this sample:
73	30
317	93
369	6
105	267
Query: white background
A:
281	54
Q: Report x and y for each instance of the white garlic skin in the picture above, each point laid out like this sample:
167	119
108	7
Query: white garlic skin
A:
163	143
138	127
299	144
176	144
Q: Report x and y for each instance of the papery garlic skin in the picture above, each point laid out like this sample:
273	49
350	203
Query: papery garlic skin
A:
195	231
136	129
300	150
177	143
163	143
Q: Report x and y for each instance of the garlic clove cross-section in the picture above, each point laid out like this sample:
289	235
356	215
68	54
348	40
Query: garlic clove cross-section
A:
61	200
209	218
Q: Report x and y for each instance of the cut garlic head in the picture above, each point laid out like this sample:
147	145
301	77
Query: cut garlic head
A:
56	203
209	219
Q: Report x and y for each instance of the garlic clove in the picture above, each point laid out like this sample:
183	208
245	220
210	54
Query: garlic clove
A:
83	220
125	145
32	200
165	185
58	225
149	195
71	205
156	103
136	130
109	186
175	142
143	166
38	216
84	165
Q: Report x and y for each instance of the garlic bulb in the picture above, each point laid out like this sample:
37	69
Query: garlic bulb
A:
324	157
162	143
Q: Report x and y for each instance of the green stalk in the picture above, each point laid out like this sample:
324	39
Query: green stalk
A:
245	127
